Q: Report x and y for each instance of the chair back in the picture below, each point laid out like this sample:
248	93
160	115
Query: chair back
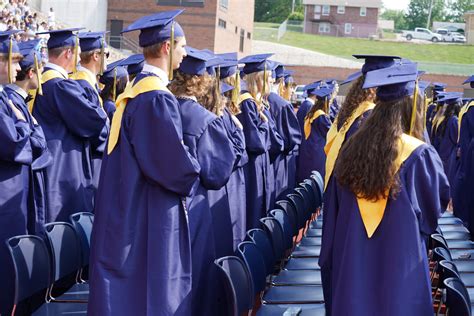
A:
285	224
275	233
252	257
263	243
289	208
457	302
82	223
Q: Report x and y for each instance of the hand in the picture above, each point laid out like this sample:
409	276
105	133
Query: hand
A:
17	112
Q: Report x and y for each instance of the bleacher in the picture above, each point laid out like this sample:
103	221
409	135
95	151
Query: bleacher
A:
274	271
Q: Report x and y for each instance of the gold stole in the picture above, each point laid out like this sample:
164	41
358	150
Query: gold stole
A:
461	114
45	77
147	84
335	140
309	121
372	212
84	75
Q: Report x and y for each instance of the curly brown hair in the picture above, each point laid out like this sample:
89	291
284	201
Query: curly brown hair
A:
365	164
213	100
190	85
354	98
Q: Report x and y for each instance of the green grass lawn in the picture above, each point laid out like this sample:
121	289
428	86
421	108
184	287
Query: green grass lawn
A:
345	47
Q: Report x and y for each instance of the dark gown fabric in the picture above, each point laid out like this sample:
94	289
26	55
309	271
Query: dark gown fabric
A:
206	137
356	268
109	107
257	142
71	124
301	113
140	246
447	140
288	128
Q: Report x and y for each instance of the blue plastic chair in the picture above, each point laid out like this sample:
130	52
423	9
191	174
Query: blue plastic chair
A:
298	203
285	224
252	257
440	253
82	223
309	194
263	243
65	249
275	233
437	240
289	209
457	302
306	202
237	283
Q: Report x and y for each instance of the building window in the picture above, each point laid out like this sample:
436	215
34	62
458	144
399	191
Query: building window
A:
324	27
242	38
236	30
348	28
317	9
222	23
363	11
186	3
341	9
224	4
326	9
249	35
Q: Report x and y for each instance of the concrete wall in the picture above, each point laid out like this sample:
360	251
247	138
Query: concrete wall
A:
91	14
469	31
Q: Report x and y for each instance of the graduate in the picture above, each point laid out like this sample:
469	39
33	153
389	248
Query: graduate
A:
16	156
258	171
307	104
446	136
334	107
235	188
438	89
93	56
356	108
206	137
317	124
114	79
28	78
134	65
461	162
140	260
71	124
389	192
288	128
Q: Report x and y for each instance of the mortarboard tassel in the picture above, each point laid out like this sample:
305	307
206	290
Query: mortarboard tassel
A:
10	79
102	57
76	54
413	110
236	91
218	79
170	73
114	86
264	82
38	75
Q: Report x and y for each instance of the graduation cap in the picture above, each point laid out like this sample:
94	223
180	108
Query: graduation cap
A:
354	76
90	41
134	63
225	87
257	63
31	59
451	98
322	93
157	28
394	83
423	85
8	46
62	38
229	64
470	80
279	71
374	62
439	86
113	73
288	75
196	62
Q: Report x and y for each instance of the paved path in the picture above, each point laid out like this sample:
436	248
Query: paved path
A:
289	55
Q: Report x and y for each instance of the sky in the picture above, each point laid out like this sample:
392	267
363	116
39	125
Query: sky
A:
396	4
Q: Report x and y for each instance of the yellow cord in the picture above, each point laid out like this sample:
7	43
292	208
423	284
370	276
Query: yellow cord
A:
102	57
38	75
114	87
413	110
170	74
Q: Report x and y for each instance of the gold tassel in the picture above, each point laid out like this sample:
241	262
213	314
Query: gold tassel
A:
114	87
218	78
281	90
102	57
76	54
264	82
38	75
236	91
413	110
170	74
10	51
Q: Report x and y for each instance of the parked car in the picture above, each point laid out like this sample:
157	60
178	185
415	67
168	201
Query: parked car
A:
423	34
442	32
454	37
299	92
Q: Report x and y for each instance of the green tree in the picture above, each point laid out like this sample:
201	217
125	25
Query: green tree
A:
275	10
418	11
398	16
457	8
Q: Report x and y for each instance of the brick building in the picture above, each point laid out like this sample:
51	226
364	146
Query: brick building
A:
346	18
219	25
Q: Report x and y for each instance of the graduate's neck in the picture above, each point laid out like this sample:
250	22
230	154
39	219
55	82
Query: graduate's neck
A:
62	62
92	67
26	85
161	63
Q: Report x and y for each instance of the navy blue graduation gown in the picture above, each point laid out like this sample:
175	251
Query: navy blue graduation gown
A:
257	142
303	109
71	123
288	128
16	154
206	137
447	141
42	158
228	203
109	107
98	143
388	273
140	248
430	112
312	155
334	108
276	151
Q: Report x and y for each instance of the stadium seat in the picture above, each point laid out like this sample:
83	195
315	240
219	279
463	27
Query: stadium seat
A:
457	301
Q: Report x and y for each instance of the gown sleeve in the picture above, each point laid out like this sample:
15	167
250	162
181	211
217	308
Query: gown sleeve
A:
215	155
157	139
14	137
291	131
276	141
255	130
236	135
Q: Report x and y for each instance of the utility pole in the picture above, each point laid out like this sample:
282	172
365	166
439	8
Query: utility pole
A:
293	6
429	14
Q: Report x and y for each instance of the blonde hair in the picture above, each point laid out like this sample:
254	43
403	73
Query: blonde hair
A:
255	86
213	100
232	105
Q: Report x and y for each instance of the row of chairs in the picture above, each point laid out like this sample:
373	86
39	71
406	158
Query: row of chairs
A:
274	272
51	272
452	268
